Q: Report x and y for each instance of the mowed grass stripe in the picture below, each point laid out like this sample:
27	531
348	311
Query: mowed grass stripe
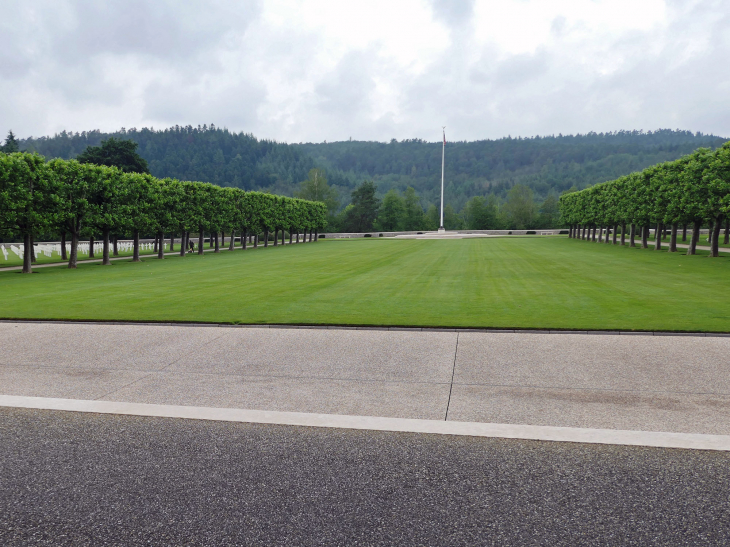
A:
485	282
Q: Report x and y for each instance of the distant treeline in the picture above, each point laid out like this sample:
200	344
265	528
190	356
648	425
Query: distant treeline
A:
547	165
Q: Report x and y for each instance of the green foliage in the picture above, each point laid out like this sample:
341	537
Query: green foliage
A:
72	197
361	216
112	152
413	217
520	207
692	189
392	212
432	218
452	221
315	188
205	153
550	164
28	194
481	213
11	144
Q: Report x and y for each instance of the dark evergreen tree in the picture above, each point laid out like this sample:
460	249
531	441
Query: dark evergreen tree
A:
11	144
112	152
364	210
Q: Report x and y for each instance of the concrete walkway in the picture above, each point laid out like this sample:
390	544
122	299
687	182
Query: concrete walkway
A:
641	383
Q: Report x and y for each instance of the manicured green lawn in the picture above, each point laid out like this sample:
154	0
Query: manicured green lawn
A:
490	282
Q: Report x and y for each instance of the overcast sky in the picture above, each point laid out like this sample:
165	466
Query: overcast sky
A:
371	70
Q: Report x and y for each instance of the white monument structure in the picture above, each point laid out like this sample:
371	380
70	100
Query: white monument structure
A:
443	157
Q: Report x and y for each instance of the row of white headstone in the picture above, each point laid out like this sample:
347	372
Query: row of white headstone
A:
49	249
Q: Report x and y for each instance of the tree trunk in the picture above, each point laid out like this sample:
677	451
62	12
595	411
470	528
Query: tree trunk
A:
217	246
161	247
27	250
673	238
91	247
183	243
266	238
135	252
283	235
223	238
615	233
63	246
623	233
658	237
210	241
310	235
74	255
291	236
710	232
645	237
244	238
276	237
684	232
115	246
297	235
201	240
715	247
255	241
105	250
172	242
232	243
154	248
632	236
593	237
32	250
694	239
727	232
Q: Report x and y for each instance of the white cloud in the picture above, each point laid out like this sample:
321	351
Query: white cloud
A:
322	69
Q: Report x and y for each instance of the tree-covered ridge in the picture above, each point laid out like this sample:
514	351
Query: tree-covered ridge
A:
546	165
204	153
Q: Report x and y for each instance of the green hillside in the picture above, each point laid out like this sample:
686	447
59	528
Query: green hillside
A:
545	164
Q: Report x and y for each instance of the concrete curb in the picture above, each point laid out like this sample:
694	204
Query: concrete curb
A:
373	327
474	429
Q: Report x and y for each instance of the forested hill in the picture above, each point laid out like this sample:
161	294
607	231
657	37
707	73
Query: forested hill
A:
480	167
552	163
206	154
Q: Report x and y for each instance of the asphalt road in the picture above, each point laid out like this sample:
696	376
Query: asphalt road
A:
89	479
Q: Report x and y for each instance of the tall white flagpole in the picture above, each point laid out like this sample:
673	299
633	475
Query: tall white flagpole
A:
443	158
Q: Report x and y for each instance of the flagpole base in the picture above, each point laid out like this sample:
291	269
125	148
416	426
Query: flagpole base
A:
442	230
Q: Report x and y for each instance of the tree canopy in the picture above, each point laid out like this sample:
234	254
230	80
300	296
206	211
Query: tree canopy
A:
112	152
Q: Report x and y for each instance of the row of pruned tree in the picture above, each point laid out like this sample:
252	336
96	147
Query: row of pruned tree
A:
68	198
691	191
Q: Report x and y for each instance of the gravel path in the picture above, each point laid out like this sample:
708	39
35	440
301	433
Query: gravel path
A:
86	479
